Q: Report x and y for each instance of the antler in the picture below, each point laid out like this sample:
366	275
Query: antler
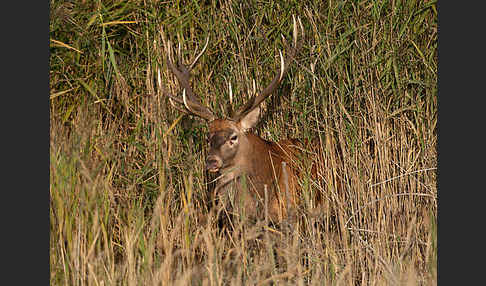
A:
189	100
256	99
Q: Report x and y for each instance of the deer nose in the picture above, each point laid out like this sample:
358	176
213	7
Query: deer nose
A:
213	163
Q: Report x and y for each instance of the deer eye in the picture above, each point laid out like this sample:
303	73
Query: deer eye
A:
233	139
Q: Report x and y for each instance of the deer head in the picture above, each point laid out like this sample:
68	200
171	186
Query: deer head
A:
229	140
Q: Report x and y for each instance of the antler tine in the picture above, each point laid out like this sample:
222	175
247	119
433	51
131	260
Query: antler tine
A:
230	90
190	101
256	99
200	54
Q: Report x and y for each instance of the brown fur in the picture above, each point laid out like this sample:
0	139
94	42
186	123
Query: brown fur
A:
254	164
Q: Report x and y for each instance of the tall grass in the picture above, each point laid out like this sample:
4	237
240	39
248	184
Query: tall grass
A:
128	187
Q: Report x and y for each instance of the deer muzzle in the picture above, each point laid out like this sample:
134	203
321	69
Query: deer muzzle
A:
213	163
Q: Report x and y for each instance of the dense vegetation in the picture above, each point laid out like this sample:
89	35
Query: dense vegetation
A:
127	180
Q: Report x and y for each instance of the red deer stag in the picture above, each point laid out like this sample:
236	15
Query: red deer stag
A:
246	164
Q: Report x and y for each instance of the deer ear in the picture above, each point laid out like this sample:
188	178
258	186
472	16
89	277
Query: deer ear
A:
250	119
